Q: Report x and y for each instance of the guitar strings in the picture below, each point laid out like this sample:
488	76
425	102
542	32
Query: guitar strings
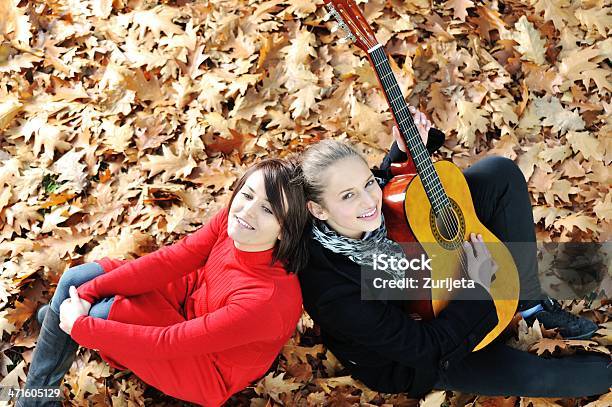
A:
447	218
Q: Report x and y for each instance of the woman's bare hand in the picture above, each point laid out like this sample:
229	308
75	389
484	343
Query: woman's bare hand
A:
480	265
71	308
422	123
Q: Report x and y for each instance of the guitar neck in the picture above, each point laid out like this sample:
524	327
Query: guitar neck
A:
429	177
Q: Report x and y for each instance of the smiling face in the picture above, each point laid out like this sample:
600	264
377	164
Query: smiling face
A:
251	222
351	200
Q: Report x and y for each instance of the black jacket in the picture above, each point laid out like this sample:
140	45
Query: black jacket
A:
375	340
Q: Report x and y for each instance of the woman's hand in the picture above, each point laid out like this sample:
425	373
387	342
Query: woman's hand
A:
422	123
72	308
480	265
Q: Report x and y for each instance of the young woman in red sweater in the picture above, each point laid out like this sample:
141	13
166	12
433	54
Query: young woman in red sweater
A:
199	319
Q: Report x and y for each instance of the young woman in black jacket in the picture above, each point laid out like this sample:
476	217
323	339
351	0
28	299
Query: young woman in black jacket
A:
392	352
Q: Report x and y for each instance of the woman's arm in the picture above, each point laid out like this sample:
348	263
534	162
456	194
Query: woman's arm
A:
158	268
245	319
388	331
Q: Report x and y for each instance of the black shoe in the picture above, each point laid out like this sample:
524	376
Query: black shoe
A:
570	326
52	357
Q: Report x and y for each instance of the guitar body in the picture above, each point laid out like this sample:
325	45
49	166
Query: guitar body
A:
409	216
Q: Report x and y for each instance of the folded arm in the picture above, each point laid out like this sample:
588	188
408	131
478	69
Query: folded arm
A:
158	268
243	320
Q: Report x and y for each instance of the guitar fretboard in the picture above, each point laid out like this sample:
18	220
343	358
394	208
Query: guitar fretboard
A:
429	177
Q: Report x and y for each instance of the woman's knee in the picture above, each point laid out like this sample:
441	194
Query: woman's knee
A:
505	168
500	173
80	274
75	276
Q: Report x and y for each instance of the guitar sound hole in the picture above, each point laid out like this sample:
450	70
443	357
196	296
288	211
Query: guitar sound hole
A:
447	224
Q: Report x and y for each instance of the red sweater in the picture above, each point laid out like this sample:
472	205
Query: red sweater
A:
198	319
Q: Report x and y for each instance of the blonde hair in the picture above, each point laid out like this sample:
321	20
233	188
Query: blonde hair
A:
317	159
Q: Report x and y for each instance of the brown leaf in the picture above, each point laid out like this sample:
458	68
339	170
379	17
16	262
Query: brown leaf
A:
237	142
21	313
548	345
539	402
275	386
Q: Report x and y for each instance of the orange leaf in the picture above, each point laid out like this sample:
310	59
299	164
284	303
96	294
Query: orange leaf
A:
57	199
548	345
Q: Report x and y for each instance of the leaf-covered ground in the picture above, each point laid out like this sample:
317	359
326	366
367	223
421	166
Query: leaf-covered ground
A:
124	124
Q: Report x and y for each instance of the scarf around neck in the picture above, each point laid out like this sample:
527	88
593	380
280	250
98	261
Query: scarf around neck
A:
360	251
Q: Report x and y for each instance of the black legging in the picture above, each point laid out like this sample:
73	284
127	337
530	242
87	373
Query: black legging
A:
502	204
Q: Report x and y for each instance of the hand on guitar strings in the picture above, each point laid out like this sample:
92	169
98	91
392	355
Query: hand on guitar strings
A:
480	265
422	123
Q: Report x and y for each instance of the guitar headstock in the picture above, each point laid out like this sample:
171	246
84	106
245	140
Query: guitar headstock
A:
352	22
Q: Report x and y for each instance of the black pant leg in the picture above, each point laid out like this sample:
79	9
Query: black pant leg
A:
500	370
501	200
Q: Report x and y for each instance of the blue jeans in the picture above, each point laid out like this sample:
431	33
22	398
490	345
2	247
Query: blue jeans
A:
76	276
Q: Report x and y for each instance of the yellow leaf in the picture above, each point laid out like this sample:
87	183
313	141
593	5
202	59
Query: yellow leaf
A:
555	154
557	11
170	165
528	159
582	142
561	188
328	384
301	48
548	345
459	8
15	22
275	386
369	123
117	137
549	213
5	324
603	401
531	45
596	19
576	62
599	76
156	20
582	222
304	99
295	354
9	108
603	209
556	116
211	87
470	120
302	8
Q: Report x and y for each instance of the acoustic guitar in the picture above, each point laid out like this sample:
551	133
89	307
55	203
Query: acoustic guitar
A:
426	202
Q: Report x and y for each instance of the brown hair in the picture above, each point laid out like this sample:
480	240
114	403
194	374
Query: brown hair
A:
318	158
282	179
